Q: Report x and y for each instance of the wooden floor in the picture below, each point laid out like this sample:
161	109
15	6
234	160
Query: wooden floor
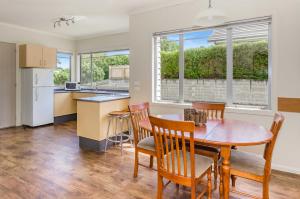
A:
46	162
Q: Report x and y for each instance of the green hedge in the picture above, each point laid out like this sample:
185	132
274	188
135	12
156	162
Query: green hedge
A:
250	61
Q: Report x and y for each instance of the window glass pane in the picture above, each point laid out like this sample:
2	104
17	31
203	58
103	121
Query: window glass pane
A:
85	69
106	70
205	66
111	70
168	67
62	73
250	64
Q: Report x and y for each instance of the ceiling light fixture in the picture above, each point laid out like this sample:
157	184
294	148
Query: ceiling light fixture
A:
65	20
210	17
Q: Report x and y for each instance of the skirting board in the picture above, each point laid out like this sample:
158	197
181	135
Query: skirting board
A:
287	169
65	118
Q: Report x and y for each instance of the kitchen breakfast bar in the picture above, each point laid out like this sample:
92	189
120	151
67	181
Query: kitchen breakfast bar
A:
93	120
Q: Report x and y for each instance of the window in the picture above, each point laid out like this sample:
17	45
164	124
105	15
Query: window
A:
229	63
105	70
62	73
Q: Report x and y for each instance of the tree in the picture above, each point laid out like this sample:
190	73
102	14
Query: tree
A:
167	45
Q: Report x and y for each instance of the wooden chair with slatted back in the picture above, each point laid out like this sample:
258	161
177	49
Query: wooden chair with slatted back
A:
253	167
143	141
213	111
178	162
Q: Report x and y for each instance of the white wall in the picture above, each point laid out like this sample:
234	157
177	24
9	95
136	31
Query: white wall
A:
103	43
19	35
286	62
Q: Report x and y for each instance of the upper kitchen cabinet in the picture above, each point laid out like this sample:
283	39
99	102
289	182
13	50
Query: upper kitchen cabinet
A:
49	57
32	55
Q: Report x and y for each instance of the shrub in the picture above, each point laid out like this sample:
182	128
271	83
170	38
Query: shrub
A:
250	61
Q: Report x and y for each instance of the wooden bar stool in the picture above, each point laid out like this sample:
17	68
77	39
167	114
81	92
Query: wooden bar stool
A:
118	137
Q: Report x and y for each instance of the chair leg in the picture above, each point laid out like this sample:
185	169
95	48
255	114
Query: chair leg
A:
151	162
107	134
193	191
221	183
216	158
266	189
233	179
136	163
159	186
209	184
121	138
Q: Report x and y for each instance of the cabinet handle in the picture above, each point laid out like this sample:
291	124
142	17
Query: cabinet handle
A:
45	62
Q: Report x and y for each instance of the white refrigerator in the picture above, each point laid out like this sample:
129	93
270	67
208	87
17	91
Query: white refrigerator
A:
37	93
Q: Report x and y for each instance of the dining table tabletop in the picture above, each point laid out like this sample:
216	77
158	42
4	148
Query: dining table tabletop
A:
223	133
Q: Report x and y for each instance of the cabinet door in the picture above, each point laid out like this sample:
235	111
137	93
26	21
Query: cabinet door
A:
49	57
31	55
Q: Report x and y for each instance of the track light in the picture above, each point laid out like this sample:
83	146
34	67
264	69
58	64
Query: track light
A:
63	19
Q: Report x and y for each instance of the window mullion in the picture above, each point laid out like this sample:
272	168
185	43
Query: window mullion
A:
269	66
181	66
229	63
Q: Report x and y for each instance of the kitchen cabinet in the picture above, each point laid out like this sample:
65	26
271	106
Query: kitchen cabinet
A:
64	104
32	55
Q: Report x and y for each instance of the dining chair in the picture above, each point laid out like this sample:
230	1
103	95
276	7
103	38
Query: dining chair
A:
213	111
253	167
143	141
177	162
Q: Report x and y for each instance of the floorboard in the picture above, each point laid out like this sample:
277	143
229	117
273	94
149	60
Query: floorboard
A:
46	162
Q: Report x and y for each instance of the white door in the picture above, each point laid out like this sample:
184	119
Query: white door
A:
7	85
43	77
42	105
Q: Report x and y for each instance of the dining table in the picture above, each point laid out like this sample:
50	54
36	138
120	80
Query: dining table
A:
223	134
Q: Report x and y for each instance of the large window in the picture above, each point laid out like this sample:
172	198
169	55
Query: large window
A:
105	70
62	72
229	63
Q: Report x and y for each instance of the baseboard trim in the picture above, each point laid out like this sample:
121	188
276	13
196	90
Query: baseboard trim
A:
287	169
65	118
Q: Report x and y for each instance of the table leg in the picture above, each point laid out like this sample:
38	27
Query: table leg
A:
225	154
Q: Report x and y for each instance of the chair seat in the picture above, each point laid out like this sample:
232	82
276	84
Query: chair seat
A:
207	148
202	163
247	162
119	113
147	143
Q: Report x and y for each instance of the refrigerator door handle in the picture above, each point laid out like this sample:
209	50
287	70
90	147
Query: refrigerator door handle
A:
36	79
36	94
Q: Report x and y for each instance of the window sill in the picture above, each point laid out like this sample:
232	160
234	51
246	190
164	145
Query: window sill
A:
228	109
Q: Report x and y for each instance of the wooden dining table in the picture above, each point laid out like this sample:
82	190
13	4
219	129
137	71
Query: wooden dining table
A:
223	134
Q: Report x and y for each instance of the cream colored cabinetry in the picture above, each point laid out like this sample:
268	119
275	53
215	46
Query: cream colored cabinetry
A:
92	120
66	104
32	55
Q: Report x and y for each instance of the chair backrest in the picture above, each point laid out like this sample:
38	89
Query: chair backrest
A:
213	110
139	112
275	128
172	140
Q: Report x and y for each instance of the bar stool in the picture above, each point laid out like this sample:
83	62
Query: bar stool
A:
119	117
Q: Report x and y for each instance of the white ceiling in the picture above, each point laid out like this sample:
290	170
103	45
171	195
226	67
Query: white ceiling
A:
99	16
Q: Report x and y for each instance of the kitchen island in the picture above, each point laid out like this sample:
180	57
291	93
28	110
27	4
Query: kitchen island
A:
92	118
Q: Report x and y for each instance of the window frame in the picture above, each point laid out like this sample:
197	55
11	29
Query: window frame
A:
91	57
70	65
229	62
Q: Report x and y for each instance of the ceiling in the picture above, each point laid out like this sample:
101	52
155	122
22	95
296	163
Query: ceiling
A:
98	17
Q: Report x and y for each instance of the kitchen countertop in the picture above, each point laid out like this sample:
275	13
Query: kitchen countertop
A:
109	92
104	98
